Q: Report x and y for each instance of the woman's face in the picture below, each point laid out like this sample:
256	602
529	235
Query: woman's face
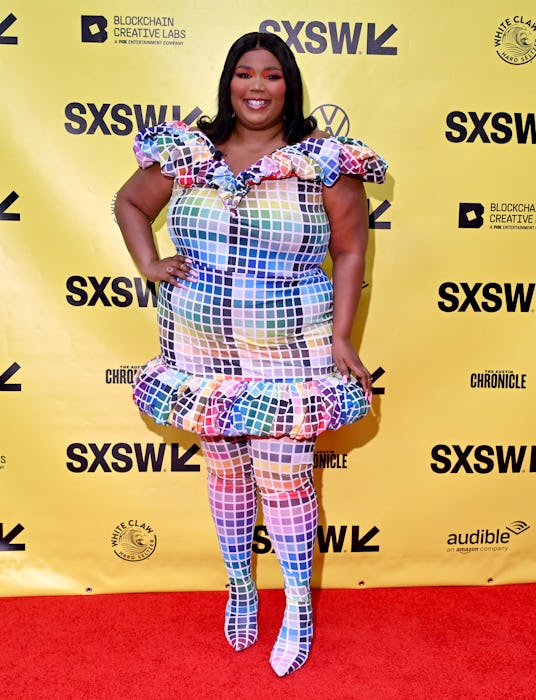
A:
258	90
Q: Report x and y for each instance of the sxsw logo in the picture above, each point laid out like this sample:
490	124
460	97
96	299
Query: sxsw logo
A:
339	37
483	459
110	291
489	297
470	215
122	457
487	127
121	119
5	24
94	29
330	538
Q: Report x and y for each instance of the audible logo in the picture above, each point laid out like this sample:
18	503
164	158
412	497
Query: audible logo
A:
485	539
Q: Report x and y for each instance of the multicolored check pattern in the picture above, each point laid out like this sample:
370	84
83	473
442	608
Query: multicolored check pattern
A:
246	347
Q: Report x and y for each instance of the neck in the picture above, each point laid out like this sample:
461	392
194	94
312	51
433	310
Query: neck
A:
255	139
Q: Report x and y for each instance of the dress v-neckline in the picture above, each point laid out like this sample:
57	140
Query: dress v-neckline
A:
246	171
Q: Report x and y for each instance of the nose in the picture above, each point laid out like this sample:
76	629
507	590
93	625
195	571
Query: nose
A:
258	83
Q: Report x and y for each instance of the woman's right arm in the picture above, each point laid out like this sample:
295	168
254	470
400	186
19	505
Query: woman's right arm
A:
138	203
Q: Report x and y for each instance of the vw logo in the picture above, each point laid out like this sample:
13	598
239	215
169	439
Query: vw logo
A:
333	119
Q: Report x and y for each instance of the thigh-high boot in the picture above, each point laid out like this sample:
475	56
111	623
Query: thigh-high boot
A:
283	470
233	503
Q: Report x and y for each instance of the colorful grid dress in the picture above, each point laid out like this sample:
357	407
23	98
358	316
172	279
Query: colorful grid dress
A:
245	349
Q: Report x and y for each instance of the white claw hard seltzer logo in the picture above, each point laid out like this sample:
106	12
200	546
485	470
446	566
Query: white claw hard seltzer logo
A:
515	39
133	540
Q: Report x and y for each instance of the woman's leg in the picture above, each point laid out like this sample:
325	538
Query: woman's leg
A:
284	473
233	503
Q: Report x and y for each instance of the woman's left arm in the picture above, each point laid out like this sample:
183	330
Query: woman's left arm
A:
346	206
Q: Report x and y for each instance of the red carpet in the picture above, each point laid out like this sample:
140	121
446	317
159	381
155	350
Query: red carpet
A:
461	643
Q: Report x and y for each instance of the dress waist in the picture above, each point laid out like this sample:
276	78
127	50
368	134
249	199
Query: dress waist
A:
298	272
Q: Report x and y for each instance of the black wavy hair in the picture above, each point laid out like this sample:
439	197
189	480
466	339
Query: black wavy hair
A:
296	126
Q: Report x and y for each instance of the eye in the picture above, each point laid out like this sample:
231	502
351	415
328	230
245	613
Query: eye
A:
274	76
242	74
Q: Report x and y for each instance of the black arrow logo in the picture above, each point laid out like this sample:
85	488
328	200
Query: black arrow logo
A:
8	201
6	376
375	44
5	542
375	215
359	544
180	464
376	375
6	24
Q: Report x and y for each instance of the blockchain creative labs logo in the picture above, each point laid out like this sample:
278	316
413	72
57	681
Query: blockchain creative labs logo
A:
515	40
497	379
157	30
133	541
94	29
497	216
492	540
333	119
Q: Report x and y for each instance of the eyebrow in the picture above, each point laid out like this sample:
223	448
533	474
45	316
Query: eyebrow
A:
242	65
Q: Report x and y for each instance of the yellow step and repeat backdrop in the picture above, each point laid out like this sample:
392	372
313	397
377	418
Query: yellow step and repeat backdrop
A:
438	484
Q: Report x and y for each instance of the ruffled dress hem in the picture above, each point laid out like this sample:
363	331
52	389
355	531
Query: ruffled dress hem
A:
223	406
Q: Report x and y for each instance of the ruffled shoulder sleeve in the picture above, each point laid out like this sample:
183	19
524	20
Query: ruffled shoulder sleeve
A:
178	150
342	155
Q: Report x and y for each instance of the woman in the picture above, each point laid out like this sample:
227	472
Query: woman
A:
256	355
